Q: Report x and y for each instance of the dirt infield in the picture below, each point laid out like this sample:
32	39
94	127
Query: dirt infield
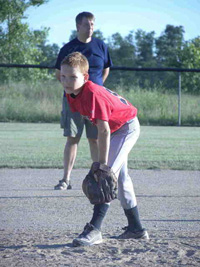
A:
38	224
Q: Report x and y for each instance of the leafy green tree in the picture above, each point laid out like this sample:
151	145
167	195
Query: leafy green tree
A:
190	58
123	53
98	34
122	49
169	46
168	54
145	45
18	44
49	52
73	35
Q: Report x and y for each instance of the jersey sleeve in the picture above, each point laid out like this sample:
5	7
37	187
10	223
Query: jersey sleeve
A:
101	109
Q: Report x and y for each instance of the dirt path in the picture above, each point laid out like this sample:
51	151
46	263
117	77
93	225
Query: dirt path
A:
38	224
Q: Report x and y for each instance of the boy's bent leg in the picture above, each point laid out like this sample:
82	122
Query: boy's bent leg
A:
121	143
134	229
126	193
128	201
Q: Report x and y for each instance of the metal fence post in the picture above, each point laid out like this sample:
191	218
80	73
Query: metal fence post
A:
179	99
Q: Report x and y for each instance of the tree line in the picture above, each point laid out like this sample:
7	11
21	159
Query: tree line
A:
21	45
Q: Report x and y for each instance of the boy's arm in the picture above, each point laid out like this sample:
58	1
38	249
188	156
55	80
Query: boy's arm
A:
103	141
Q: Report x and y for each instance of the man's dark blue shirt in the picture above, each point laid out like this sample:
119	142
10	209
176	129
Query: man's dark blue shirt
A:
95	51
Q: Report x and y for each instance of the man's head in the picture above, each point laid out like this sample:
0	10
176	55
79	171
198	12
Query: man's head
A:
74	72
85	25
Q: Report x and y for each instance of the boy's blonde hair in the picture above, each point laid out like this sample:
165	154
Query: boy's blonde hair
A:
76	59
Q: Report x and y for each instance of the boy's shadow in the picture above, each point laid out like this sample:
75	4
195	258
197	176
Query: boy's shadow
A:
54	246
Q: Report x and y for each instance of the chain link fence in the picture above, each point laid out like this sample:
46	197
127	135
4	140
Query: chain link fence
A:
143	86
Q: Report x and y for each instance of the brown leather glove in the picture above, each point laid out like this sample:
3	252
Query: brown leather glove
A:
100	184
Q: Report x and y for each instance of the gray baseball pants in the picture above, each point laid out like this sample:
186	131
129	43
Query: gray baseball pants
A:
122	141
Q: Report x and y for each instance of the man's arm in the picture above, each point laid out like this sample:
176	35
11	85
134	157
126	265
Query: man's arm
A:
105	74
58	75
103	141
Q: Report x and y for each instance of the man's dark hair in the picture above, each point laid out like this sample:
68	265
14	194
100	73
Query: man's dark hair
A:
82	15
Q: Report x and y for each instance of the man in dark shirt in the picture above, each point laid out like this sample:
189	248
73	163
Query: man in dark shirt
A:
73	124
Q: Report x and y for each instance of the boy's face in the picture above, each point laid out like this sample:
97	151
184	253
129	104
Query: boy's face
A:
72	79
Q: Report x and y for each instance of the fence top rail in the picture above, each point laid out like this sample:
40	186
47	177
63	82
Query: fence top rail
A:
154	69
112	68
26	66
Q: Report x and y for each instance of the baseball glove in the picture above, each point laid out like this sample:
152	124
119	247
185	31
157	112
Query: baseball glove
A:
100	185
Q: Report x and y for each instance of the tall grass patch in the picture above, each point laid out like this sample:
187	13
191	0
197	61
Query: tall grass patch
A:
31	102
156	107
42	102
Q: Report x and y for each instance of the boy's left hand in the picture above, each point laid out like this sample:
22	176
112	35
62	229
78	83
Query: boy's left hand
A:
100	185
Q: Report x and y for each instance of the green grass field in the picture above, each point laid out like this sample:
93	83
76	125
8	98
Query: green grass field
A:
40	145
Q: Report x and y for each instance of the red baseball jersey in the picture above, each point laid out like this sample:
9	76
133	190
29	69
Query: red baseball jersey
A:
97	102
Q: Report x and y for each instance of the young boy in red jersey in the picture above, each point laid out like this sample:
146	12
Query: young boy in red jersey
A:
118	131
